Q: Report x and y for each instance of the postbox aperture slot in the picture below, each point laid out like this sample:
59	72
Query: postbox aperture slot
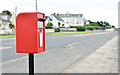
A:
41	19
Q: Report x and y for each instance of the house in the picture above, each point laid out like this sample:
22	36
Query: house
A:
4	18
72	19
0	24
66	19
86	21
55	19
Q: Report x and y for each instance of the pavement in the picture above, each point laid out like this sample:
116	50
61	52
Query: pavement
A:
103	60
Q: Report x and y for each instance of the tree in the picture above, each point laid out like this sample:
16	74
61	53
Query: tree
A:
11	26
59	24
101	23
98	22
113	26
106	24
50	24
92	24
90	21
63	26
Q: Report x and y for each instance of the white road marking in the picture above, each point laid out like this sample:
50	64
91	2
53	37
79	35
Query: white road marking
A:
7	39
10	43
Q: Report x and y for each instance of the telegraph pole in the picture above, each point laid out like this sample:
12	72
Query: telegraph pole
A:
15	17
36	4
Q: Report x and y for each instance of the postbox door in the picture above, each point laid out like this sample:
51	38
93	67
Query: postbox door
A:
40	38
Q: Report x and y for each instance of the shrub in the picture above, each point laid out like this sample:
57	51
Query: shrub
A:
46	27
73	26
102	28
96	28
89	28
63	27
57	30
11	26
79	28
50	25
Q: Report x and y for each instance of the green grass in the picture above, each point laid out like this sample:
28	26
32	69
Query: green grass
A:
66	33
56	33
8	36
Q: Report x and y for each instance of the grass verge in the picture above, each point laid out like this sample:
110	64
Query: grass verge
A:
56	33
66	33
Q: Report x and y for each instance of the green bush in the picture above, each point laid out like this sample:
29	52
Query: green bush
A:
96	28
11	26
73	26
79	28
63	27
57	30
46	27
102	28
89	28
49	25
83	28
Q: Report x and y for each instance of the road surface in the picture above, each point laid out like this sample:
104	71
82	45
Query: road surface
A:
61	52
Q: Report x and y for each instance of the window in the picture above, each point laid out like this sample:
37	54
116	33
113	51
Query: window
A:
71	22
77	22
67	22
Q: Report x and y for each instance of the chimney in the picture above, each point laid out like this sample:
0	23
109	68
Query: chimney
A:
54	13
58	14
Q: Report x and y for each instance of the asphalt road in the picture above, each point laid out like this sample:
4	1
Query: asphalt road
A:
61	51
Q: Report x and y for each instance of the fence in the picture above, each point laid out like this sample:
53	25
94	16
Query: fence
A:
68	29
49	30
8	31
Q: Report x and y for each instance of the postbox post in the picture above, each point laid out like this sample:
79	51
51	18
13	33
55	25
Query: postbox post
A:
31	63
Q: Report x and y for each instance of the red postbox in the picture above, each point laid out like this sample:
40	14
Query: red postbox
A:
30	32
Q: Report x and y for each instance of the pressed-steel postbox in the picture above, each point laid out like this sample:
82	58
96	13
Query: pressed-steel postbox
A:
30	32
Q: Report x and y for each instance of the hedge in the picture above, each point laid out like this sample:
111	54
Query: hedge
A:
57	30
79	28
46	27
83	28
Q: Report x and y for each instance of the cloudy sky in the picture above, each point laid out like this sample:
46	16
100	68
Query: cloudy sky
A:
94	10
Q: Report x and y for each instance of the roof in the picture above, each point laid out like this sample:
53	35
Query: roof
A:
85	20
57	17
46	17
71	15
3	20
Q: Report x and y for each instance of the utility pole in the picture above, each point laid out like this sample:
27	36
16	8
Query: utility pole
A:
36	4
15	17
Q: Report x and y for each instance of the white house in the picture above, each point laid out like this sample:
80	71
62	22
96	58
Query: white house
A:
0	23
5	21
72	19
54	19
66	19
